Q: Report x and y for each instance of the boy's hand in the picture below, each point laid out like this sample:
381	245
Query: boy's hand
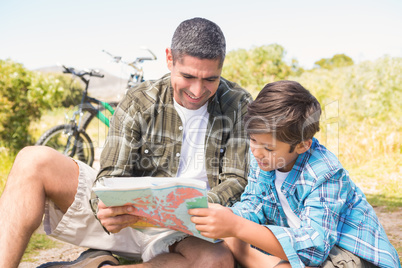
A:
116	218
216	221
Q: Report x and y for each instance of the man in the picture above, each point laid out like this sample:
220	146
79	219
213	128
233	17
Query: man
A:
188	123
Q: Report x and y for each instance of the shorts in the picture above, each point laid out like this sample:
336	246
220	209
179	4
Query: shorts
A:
79	226
338	258
341	258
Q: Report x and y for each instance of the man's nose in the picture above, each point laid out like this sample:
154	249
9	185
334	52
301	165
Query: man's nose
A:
197	88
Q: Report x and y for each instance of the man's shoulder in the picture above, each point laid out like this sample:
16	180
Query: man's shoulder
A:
231	94
229	88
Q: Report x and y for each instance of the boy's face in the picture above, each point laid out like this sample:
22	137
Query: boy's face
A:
272	154
194	80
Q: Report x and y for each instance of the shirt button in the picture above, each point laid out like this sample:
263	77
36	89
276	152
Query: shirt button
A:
181	127
146	151
178	154
222	150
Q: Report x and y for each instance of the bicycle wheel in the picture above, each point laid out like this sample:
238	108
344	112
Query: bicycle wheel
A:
57	138
86	119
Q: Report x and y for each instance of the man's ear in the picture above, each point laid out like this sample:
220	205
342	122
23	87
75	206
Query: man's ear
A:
169	59
303	146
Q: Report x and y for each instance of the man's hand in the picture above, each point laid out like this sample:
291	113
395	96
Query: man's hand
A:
116	218
216	221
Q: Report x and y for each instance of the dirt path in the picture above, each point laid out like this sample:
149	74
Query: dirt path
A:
392	223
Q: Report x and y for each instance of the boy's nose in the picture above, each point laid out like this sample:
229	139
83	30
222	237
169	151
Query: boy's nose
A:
258	152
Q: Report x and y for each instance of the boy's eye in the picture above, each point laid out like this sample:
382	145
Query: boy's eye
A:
269	150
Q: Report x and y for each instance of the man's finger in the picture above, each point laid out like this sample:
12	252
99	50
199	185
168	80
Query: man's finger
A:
114	211
119	220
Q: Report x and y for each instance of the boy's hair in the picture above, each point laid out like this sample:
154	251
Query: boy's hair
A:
286	110
200	38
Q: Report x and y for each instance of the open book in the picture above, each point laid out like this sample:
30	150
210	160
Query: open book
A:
160	202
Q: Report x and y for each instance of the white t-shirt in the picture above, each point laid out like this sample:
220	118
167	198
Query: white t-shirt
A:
192	159
292	218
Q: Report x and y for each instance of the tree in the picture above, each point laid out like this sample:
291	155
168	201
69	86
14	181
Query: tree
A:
258	66
337	61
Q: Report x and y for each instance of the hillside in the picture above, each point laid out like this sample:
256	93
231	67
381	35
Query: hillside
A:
109	88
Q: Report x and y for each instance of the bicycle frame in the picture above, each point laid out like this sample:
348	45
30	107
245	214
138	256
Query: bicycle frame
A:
98	113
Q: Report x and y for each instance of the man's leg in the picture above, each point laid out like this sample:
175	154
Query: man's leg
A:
251	257
38	172
193	252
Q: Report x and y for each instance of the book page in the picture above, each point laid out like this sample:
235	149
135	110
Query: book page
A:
161	202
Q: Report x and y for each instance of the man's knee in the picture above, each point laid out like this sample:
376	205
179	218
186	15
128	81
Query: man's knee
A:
218	256
200	253
36	157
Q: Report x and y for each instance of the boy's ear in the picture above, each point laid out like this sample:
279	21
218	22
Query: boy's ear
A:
303	146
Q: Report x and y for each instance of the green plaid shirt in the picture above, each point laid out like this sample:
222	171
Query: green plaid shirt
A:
145	138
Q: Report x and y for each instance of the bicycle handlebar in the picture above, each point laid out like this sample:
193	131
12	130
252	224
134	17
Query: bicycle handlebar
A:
96	74
133	64
91	72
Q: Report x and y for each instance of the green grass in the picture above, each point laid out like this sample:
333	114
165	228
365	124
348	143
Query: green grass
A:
6	160
391	203
48	120
38	242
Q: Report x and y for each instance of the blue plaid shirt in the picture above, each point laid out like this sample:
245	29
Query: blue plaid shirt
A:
332	210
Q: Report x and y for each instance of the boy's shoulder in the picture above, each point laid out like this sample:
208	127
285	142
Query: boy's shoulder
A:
319	159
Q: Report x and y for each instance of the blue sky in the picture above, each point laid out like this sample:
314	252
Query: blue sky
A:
46	32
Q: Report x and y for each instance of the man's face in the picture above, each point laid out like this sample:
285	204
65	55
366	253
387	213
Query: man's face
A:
193	80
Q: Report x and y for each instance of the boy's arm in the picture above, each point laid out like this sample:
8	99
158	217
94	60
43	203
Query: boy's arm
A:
220	222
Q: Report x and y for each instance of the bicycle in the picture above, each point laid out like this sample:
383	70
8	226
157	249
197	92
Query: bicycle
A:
137	76
72	139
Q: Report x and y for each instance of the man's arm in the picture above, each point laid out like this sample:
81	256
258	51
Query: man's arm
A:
121	142
234	149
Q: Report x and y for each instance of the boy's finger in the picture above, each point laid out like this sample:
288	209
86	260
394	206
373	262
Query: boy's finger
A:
198	212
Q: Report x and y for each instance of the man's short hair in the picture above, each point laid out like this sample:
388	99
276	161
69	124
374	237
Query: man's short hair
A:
286	110
200	38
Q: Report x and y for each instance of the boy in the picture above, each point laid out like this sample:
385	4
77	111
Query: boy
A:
300	207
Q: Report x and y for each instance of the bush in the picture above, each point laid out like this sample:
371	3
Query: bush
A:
254	68
72	89
362	104
23	96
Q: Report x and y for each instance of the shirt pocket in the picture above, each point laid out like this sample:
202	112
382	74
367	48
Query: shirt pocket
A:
151	155
270	205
